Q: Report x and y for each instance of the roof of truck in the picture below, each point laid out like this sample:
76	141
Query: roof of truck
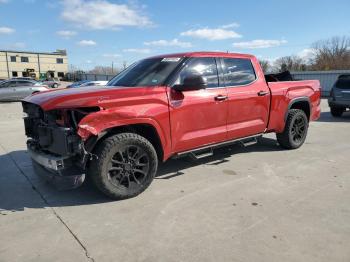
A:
206	53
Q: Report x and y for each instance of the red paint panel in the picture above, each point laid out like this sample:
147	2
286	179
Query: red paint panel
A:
283	93
196	119
248	112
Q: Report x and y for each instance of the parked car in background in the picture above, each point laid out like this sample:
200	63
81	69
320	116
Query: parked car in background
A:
87	83
77	84
94	83
339	100
51	83
17	89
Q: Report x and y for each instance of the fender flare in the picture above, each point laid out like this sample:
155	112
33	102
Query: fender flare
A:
294	101
97	133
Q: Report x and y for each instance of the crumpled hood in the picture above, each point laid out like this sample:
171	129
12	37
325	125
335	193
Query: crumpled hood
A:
101	96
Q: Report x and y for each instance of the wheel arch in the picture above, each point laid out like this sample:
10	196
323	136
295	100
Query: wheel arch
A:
145	130
302	103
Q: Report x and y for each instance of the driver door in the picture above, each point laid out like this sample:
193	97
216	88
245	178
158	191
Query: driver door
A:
198	117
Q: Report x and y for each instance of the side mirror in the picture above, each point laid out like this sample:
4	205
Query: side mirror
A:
191	83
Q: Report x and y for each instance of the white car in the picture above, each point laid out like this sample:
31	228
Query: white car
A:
94	83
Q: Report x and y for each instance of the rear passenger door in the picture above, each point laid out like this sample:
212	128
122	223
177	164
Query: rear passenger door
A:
248	98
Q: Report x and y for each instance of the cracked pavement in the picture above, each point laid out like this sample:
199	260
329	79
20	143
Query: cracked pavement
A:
258	203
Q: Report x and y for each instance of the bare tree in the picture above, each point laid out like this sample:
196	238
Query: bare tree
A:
332	54
265	65
291	63
105	70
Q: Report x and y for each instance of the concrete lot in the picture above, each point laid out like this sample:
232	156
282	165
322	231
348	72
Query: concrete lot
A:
259	203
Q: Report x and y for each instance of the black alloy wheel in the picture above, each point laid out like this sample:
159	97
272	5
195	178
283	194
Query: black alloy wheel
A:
129	167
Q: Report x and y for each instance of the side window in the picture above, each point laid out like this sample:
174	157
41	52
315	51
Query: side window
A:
24	83
24	59
12	84
204	66
238	71
4	84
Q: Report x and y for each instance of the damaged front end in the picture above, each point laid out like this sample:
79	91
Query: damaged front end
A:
58	153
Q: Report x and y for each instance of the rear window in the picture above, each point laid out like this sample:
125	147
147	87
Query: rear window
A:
343	82
238	71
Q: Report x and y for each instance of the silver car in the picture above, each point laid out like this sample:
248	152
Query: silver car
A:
17	89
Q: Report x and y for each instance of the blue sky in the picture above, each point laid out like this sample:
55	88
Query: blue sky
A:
97	32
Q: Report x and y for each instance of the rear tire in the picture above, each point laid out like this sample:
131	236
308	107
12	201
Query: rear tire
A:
295	130
337	111
126	165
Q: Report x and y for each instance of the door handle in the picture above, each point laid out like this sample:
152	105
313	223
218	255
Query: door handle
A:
262	93
221	98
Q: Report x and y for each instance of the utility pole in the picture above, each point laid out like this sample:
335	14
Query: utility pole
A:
7	63
39	66
112	68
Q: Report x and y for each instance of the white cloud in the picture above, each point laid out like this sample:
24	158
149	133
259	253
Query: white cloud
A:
101	14
111	55
175	42
6	30
18	45
86	43
66	33
212	33
259	43
137	50
232	25
307	53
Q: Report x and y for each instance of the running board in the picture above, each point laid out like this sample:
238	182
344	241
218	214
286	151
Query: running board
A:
249	142
207	151
202	154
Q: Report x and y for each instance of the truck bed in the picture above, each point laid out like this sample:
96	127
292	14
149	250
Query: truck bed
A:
283	92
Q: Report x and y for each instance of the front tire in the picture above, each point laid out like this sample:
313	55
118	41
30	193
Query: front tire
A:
126	165
337	111
295	130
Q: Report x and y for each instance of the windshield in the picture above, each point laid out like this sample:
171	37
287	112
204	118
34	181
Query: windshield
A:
147	72
343	82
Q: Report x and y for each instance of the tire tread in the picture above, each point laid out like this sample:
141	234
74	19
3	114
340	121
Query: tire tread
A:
95	168
284	137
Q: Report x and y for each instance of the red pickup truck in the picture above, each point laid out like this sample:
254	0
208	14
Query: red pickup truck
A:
162	107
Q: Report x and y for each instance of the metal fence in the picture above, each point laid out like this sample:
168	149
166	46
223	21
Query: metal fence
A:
92	77
326	78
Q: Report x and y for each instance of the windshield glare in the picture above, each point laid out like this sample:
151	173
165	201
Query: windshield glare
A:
147	72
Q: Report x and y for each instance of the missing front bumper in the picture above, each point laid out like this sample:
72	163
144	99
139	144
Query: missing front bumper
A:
56	170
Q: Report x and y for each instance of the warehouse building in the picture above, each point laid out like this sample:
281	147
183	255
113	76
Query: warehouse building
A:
32	64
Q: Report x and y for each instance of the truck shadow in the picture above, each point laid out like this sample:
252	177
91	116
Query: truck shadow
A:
327	117
20	188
